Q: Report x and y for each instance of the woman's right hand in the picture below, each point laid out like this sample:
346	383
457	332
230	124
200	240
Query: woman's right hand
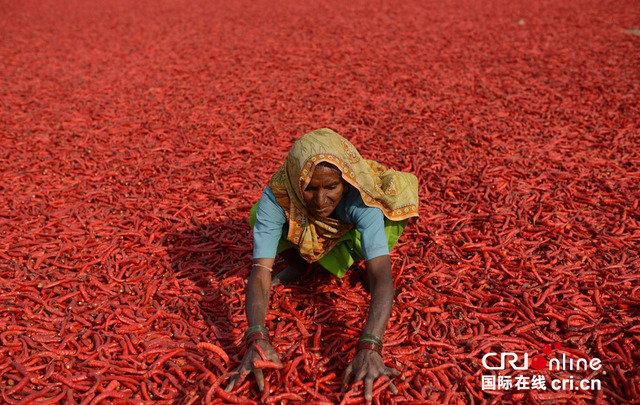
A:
246	366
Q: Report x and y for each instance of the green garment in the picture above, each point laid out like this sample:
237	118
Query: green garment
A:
348	249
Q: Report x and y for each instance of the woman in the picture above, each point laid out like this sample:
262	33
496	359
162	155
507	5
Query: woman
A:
328	205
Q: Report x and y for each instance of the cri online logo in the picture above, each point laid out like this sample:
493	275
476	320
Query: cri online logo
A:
539	362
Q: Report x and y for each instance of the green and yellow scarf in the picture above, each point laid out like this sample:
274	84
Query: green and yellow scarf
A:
395	193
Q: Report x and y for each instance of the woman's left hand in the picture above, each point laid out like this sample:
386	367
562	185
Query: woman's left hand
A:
368	367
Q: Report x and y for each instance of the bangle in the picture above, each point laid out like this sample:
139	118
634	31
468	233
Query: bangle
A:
366	337
255	328
370	346
377	343
257	335
262	265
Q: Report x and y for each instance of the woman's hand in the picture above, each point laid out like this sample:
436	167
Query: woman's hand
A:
368	367
247	365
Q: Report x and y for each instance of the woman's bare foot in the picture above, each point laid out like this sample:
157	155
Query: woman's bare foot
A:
296	268
289	275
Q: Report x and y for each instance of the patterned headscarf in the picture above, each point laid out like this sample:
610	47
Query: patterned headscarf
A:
395	193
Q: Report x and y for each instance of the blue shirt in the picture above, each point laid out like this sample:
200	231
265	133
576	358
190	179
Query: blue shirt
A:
271	221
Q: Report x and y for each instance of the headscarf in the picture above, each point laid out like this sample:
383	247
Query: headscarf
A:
395	193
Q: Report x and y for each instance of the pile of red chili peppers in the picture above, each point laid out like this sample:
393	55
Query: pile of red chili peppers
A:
136	135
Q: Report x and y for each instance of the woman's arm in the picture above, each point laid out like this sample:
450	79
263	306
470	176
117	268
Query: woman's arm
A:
257	302
258	289
381	286
267	230
367	364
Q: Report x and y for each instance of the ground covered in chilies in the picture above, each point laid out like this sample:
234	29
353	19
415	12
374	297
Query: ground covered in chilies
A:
135	135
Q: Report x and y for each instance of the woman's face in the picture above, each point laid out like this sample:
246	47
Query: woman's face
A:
324	191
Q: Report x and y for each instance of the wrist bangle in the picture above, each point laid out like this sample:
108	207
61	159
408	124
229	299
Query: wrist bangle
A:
255	328
371	338
375	342
370	346
257	335
367	337
261	265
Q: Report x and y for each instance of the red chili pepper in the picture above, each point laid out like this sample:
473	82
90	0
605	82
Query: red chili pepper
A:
261	353
282	397
18	387
231	398
266	364
217	350
72	384
316	338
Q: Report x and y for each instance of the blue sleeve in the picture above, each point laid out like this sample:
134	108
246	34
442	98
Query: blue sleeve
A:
370	223
267	231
